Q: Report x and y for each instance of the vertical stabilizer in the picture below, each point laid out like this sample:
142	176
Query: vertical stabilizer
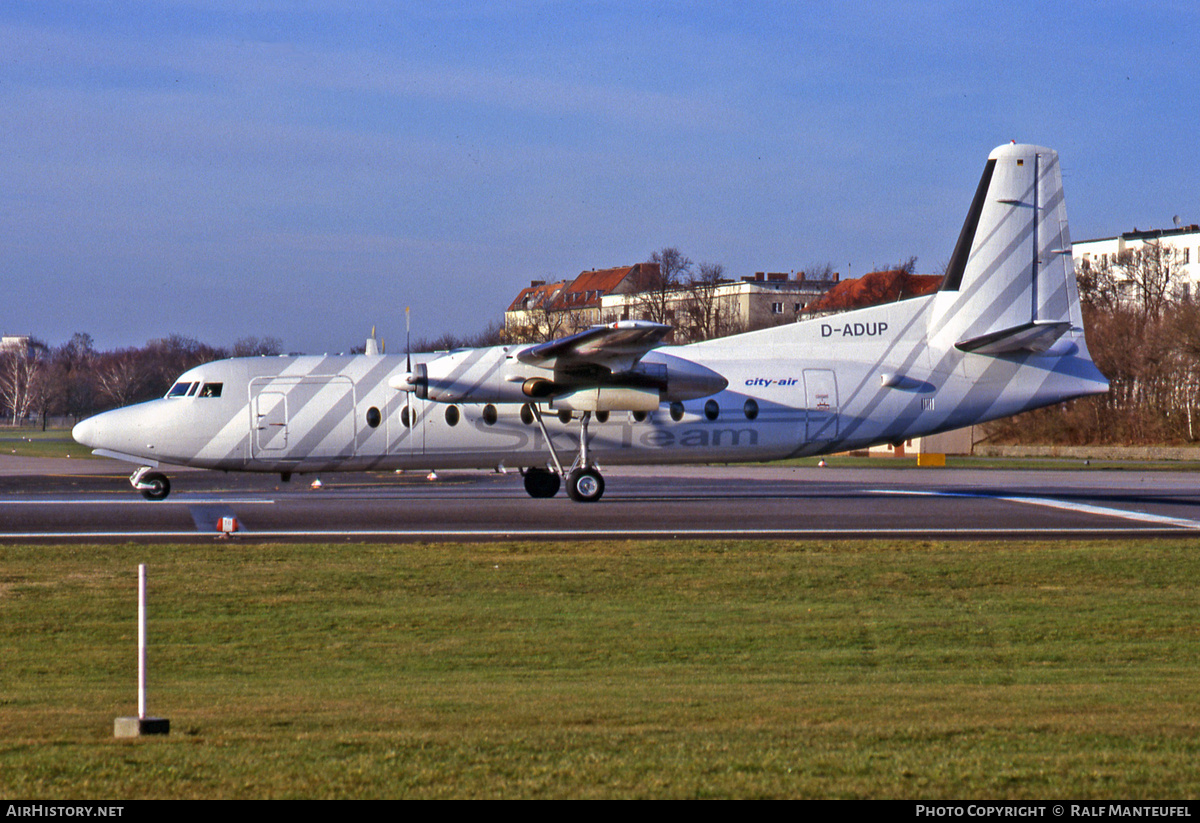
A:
1010	285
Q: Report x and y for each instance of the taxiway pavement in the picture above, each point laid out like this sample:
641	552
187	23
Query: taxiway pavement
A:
91	500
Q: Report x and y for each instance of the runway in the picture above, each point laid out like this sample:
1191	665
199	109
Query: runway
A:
71	501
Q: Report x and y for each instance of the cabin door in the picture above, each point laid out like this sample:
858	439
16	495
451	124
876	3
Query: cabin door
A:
298	418
270	432
821	408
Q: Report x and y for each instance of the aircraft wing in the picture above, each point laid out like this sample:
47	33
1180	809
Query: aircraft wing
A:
615	346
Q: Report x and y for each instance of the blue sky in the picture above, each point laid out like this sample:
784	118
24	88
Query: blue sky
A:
300	170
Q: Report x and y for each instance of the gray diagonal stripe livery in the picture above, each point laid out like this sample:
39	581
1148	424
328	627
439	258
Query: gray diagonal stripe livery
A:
1002	336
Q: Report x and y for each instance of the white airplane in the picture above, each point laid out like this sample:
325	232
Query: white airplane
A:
1002	336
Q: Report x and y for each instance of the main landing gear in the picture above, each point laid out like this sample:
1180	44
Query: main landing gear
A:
584	482
153	485
541	483
585	485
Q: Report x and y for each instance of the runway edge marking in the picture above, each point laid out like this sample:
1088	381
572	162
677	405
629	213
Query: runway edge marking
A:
1050	503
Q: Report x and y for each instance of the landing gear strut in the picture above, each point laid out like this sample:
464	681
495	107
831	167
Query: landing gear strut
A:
153	485
584	482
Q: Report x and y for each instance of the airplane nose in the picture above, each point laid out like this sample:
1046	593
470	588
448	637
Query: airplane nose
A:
84	432
131	430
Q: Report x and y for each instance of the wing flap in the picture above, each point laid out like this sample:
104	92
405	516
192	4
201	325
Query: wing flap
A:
615	346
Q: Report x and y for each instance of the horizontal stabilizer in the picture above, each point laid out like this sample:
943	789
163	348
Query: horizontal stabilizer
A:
1037	336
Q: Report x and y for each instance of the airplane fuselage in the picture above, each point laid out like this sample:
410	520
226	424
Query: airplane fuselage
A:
831	384
1003	335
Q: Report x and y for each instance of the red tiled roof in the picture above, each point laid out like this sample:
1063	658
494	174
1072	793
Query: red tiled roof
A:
875	288
533	296
583	292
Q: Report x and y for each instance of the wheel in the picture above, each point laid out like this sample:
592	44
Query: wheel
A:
157	486
541	483
585	485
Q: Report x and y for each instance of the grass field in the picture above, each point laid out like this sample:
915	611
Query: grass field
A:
27	442
670	669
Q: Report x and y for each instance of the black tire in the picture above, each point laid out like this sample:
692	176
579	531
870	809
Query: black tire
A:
158	486
541	483
585	485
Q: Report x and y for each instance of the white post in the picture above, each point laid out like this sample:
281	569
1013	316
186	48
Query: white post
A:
141	725
142	641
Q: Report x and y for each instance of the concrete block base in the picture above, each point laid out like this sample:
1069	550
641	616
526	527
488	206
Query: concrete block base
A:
140	726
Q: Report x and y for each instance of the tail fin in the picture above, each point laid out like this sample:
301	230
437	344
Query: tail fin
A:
1010	285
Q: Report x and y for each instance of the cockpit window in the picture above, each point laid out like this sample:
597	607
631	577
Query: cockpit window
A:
211	390
182	389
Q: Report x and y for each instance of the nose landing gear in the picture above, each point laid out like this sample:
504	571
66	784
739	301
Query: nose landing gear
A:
153	485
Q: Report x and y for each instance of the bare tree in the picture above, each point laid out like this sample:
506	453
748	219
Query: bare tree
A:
1097	284
818	271
67	381
705	311
169	357
21	378
908	265
120	376
257	347
1151	271
661	284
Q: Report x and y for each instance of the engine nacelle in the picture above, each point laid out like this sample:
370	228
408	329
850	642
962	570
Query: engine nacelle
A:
607	399
682	379
486	375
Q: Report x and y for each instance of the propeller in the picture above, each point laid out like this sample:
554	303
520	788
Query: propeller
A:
409	382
